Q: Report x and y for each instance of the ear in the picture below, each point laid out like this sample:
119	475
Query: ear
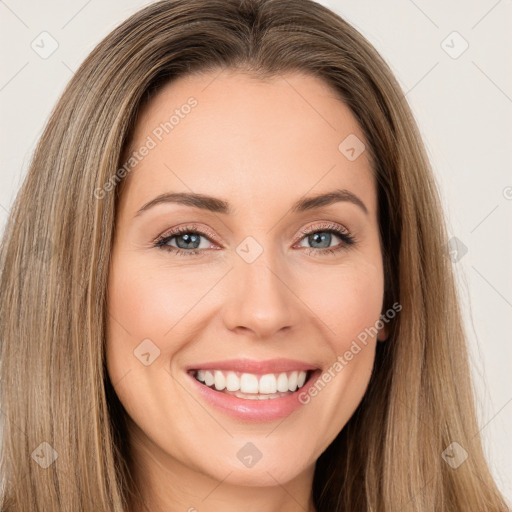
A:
383	333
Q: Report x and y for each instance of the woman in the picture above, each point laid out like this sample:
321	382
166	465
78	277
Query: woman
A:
188	345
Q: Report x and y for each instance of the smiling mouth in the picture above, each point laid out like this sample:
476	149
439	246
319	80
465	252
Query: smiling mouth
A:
252	386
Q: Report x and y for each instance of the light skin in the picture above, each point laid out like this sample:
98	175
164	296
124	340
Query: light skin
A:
261	146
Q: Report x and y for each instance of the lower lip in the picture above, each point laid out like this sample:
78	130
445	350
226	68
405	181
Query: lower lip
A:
254	410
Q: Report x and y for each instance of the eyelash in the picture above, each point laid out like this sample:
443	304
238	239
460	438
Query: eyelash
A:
343	234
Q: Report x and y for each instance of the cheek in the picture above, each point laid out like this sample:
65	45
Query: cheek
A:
143	306
138	311
347	299
147	302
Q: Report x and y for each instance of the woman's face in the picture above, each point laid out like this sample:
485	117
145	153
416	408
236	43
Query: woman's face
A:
255	290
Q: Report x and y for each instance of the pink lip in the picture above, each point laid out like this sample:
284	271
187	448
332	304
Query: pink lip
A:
254	410
251	366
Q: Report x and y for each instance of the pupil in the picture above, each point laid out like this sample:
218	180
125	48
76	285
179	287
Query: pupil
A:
315	238
189	239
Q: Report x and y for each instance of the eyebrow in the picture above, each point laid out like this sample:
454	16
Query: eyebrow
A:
216	205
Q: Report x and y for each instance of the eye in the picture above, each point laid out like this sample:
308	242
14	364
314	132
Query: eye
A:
323	236
187	240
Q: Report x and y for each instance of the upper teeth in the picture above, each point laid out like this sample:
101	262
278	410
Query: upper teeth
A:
252	383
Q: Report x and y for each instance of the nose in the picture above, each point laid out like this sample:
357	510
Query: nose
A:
262	302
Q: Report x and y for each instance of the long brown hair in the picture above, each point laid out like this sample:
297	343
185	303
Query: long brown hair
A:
56	249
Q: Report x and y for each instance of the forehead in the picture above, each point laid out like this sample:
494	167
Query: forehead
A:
231	135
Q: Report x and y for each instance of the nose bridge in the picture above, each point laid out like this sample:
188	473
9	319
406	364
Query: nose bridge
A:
259	297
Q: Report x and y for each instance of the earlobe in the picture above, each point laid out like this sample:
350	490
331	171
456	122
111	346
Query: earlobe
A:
383	334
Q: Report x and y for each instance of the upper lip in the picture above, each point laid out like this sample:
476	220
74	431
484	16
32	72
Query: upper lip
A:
253	366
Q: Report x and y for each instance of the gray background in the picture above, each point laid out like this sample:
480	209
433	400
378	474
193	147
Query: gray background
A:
462	101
